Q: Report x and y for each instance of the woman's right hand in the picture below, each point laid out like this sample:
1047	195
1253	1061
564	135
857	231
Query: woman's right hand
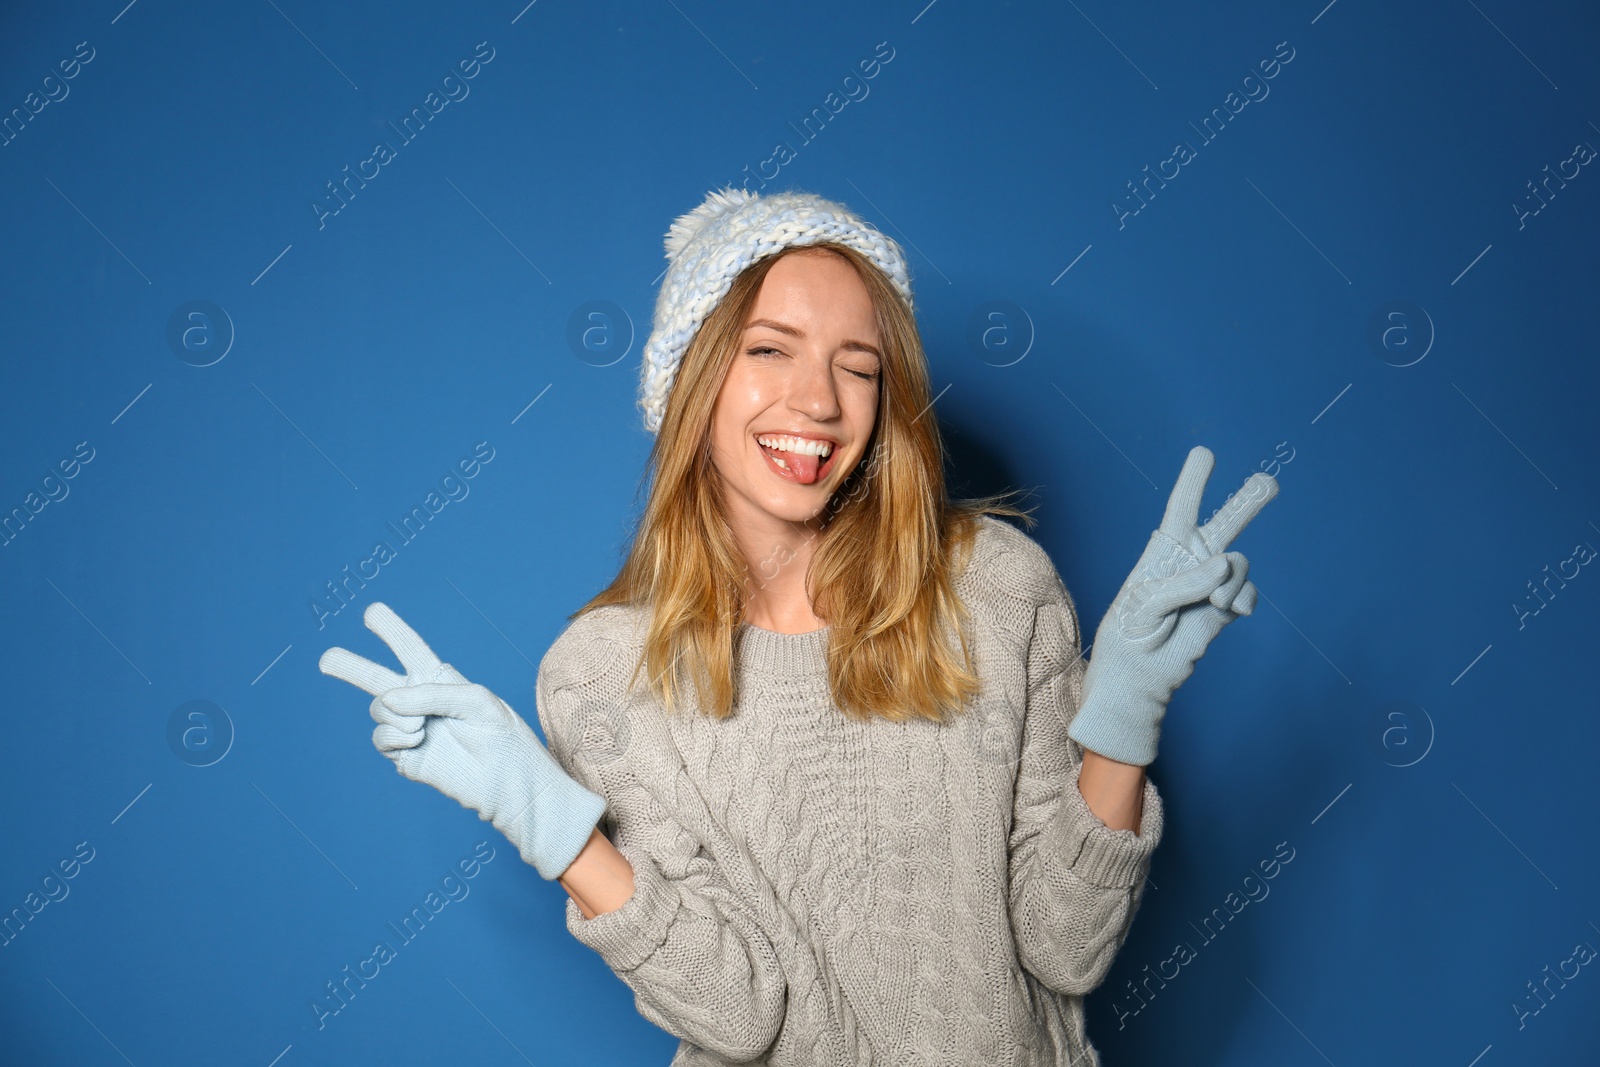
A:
440	729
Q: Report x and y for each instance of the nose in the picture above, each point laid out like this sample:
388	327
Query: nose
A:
812	391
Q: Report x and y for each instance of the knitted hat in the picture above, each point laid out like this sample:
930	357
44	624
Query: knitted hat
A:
711	245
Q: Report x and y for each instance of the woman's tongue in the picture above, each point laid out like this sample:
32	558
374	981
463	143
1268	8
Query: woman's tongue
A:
802	466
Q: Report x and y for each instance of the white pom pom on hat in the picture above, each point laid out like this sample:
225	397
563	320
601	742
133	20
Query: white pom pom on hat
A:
708	247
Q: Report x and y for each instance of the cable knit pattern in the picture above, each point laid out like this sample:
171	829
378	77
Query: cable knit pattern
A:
812	890
709	247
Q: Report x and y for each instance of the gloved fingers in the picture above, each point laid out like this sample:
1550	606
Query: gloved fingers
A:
388	739
1239	509
408	761
1164	595
445	673
362	673
410	727
412	651
1238	571
1183	506
442	698
1245	602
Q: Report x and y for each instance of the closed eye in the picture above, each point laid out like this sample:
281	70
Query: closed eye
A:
764	349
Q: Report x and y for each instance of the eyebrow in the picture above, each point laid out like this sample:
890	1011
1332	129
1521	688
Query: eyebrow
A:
793	331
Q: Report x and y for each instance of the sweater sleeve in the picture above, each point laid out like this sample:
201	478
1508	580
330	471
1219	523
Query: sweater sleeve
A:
692	952
1075	882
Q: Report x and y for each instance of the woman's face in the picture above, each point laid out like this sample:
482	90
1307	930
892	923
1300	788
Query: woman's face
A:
804	379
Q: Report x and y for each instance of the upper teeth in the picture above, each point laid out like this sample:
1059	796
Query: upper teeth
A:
796	444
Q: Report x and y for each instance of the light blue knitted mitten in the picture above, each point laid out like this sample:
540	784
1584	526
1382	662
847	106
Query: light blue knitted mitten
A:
1185	588
460	738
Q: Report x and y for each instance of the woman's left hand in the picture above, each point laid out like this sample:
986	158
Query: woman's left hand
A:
1185	588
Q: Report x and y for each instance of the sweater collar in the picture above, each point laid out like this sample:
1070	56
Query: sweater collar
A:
767	652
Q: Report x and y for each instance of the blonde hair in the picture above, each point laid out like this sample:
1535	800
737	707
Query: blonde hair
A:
882	574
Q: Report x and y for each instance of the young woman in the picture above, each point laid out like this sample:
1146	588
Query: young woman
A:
828	780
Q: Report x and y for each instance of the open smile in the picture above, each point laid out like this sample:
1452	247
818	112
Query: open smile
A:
802	460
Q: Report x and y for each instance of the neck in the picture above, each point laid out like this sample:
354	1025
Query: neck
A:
777	556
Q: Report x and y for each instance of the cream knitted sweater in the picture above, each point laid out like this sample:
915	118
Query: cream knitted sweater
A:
811	890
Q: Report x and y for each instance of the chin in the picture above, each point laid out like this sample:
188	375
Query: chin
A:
796	511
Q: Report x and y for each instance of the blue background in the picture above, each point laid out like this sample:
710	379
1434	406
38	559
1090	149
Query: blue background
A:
1338	288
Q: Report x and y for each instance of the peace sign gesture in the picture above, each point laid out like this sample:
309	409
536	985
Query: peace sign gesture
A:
1185	588
460	738
419	661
